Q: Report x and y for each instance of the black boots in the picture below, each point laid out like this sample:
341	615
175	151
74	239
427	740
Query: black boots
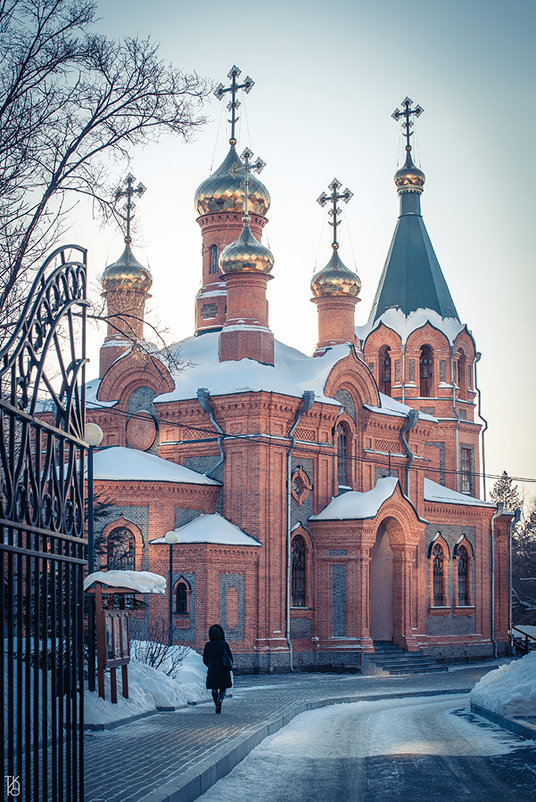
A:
218	699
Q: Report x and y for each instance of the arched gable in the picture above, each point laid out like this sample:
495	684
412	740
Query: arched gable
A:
465	341
382	335
123	523
401	520
353	375
136	369
438	539
428	335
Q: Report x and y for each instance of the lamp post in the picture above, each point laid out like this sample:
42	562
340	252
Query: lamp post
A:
171	538
94	435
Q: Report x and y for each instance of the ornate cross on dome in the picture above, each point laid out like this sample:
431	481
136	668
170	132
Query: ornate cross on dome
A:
128	192
246	169
406	114
233	89
335	211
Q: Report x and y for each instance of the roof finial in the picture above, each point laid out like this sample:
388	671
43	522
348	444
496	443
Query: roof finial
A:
129	206
334	197
233	89
246	169
408	122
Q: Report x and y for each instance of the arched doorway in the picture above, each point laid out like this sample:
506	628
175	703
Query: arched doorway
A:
381	587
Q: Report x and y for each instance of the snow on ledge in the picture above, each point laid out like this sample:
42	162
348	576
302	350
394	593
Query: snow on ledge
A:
211	529
142	581
444	495
128	464
396	320
354	505
390	406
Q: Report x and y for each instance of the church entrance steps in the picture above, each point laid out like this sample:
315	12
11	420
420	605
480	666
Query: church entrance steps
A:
388	658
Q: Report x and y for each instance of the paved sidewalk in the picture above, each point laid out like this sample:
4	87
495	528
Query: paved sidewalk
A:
176	756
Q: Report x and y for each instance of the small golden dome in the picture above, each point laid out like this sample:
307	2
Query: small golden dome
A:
246	254
335	279
224	192
126	274
409	178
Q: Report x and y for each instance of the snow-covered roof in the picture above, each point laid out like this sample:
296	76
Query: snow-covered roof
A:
128	464
390	406
92	388
211	529
443	495
142	581
352	505
404	324
291	374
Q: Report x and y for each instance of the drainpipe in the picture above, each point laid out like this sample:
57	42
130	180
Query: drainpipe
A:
308	399
498	511
412	418
457	436
513	522
477	359
403	348
203	396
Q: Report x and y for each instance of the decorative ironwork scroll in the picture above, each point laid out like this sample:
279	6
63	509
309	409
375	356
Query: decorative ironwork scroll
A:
42	457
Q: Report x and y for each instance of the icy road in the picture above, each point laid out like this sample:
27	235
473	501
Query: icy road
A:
420	748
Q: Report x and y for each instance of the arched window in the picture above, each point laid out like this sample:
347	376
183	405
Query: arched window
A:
384	359
342	455
463	577
214	267
120	550
439	576
298	571
182	598
426	371
462	374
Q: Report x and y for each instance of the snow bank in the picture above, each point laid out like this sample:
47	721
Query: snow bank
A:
509	690
149	689
142	581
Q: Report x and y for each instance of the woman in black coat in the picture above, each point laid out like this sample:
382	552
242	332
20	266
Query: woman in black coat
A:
218	658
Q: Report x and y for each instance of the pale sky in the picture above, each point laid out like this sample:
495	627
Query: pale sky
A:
327	78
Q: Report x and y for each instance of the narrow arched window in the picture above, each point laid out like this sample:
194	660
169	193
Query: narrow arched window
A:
181	598
438	564
384	358
214	267
298	571
342	455
120	551
426	371
462	374
463	577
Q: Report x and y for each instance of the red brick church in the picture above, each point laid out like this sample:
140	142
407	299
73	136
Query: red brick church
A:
323	504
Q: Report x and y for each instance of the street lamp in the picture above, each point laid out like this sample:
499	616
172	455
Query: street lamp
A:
171	538
93	435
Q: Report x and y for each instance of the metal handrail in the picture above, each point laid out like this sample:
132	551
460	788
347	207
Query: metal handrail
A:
524	641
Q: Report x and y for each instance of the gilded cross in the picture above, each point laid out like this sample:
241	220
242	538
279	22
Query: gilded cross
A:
335	211
233	89
406	113
128	192
257	165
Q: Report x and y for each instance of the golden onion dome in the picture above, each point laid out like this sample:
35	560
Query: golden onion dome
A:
409	178
335	279
246	254
224	192
127	273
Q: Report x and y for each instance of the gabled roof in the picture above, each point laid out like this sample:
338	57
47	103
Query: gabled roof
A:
444	495
128	464
211	529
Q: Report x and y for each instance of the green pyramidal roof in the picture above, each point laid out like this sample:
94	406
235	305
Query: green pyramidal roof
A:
412	278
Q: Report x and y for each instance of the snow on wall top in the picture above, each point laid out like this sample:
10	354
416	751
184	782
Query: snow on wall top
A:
443	495
404	325
390	406
212	529
352	505
142	581
128	464
291	374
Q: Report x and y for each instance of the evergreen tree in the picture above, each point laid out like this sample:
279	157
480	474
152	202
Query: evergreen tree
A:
524	568
506	492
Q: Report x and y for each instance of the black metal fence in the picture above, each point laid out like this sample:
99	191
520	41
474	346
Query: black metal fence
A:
42	454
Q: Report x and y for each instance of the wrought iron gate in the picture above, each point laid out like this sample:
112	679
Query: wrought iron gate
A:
42	455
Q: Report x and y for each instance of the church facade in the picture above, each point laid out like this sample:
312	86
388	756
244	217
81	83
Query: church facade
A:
321	504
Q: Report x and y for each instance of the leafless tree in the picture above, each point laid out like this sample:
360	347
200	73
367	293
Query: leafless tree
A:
71	102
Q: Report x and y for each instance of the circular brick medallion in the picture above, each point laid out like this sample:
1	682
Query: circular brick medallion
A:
141	431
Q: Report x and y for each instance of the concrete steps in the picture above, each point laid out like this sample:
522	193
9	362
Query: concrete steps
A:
391	659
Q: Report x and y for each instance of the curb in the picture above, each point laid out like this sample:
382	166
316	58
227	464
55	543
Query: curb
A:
195	781
515	725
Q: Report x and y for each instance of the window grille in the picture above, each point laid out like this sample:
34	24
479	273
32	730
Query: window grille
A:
120	550
181	599
342	455
463	577
426	370
298	571
214	266
438	576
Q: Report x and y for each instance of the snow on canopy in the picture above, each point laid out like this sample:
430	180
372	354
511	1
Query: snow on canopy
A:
212	529
128	464
352	505
404	325
142	581
291	374
444	495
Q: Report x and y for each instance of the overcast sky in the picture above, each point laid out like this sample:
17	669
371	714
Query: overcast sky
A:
328	76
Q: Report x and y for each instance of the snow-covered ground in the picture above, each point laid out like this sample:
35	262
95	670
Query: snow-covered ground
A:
509	690
149	689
